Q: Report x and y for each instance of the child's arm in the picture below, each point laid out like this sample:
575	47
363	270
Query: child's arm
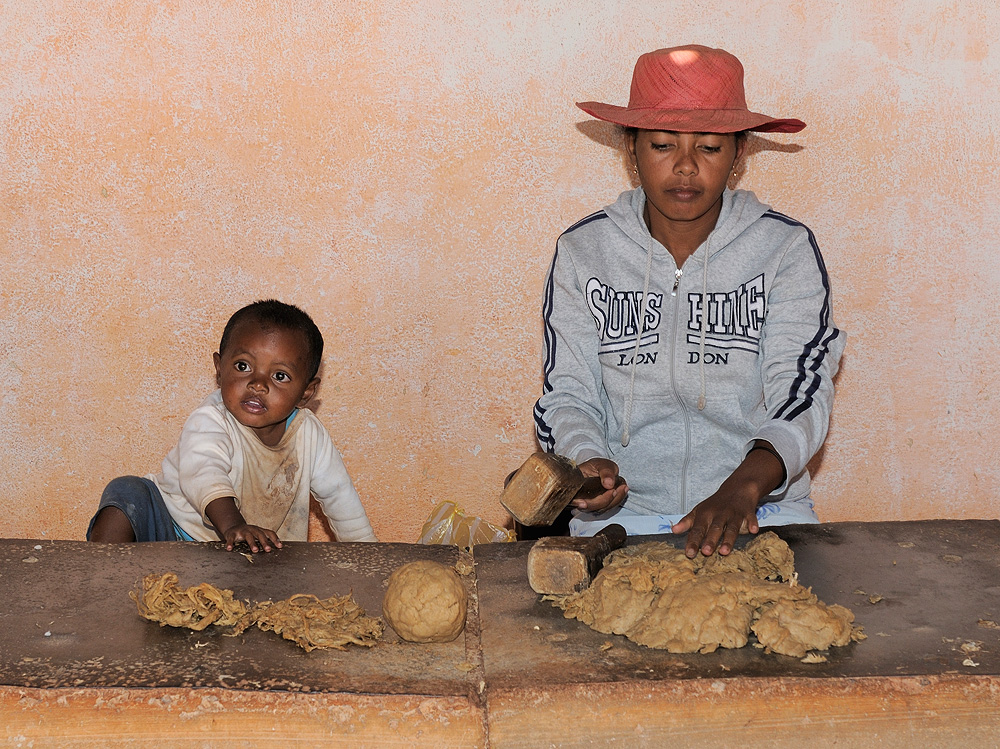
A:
201	465
332	487
232	528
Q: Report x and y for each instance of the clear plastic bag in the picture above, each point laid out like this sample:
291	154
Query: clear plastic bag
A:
448	524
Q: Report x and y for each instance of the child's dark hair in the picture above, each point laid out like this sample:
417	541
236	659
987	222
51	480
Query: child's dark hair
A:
270	312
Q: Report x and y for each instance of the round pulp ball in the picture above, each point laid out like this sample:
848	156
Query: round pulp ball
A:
425	602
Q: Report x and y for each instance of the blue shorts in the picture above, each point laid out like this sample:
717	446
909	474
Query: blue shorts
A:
144	507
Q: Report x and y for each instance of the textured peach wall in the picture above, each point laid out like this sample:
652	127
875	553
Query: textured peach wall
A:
401	170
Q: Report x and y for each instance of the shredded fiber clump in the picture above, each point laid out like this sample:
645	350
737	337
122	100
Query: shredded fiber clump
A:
160	599
306	620
312	622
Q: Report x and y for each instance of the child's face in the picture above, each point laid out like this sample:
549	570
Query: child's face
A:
264	376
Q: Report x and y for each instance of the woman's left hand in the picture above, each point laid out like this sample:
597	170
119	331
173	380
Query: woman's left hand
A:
715	523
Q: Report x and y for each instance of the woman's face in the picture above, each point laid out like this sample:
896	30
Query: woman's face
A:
683	175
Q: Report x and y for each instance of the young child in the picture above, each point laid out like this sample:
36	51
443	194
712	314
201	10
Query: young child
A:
250	455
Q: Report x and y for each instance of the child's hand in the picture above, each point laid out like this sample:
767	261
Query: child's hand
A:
257	538
224	513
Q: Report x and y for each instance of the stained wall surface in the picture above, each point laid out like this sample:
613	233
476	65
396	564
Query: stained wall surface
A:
401	170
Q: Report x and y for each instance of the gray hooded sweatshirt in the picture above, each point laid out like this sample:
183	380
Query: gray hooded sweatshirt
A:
678	404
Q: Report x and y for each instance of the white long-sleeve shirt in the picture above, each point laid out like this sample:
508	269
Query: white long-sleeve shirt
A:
217	456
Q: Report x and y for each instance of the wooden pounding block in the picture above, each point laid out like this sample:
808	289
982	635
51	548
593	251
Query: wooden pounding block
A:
560	565
541	488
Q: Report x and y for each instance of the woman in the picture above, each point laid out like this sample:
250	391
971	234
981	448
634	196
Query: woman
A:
690	344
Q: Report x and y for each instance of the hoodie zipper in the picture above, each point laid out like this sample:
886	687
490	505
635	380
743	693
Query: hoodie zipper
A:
678	309
677	279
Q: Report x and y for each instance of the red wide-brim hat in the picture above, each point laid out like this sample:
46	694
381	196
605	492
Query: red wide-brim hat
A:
690	89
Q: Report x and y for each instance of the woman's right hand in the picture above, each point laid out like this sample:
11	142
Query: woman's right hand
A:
615	492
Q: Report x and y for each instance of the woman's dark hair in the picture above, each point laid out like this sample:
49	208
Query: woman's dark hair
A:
270	312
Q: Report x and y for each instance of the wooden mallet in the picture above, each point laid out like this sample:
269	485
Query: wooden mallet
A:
544	486
560	565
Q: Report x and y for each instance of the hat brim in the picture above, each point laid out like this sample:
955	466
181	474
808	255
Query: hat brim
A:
691	120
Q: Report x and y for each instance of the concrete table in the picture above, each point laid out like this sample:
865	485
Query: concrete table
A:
936	590
79	667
